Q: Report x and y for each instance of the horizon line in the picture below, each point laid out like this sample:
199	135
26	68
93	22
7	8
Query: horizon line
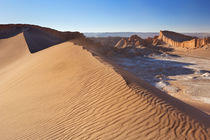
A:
143	32
48	26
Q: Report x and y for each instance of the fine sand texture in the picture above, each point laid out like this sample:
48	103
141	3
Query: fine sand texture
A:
63	92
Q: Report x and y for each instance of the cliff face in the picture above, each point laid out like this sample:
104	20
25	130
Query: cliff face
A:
180	40
203	41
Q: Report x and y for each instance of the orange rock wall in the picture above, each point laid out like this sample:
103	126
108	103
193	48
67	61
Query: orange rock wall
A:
202	42
189	44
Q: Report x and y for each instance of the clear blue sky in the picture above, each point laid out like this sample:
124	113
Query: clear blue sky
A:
110	15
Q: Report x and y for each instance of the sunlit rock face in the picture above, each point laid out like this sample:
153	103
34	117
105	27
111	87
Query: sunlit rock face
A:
181	40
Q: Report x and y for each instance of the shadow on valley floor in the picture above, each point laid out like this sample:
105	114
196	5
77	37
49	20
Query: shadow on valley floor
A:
154	70
144	51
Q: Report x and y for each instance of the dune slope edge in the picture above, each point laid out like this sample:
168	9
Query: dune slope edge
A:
12	49
63	92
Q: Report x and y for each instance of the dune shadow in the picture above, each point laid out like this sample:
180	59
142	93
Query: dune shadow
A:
37	37
38	40
4	34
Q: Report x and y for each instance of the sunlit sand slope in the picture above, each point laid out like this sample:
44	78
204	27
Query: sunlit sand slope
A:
63	92
12	49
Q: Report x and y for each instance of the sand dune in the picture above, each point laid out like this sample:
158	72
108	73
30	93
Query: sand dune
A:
12	49
36	37
64	92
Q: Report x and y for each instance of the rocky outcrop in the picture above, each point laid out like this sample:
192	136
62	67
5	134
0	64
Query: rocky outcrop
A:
156	41
180	40
133	42
203	41
122	43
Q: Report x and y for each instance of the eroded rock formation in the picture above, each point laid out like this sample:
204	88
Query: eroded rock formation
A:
181	40
133	42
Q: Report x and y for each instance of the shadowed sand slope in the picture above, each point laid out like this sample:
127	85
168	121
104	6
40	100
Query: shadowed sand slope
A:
63	92
37	37
38	40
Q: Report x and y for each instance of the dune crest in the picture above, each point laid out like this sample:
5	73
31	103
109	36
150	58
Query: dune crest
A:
12	49
36	37
64	92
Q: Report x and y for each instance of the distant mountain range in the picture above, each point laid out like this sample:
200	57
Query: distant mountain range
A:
140	34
